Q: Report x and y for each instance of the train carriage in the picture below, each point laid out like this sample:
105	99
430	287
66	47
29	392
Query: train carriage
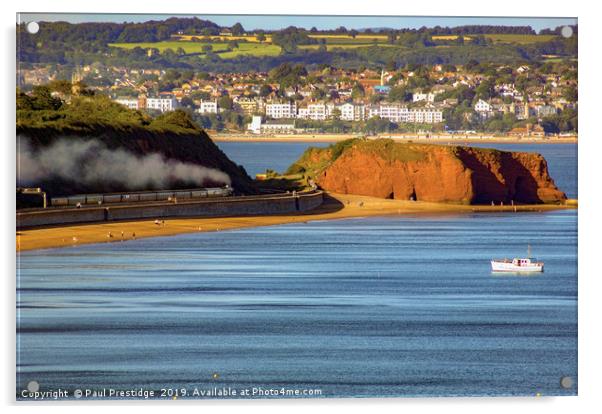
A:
142	196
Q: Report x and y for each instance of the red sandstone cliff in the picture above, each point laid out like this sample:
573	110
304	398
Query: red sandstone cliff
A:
383	168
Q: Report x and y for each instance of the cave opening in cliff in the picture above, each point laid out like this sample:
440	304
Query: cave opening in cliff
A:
413	195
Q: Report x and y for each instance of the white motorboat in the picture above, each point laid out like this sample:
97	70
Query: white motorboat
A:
517	265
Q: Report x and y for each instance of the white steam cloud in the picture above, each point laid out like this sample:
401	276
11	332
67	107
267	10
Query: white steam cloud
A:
92	162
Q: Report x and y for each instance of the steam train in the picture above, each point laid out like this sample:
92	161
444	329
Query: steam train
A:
141	196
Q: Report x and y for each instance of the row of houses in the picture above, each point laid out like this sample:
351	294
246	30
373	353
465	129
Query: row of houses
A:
522	110
322	111
354	112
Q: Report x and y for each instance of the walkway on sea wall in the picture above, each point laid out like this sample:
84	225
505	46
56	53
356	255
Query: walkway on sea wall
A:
231	206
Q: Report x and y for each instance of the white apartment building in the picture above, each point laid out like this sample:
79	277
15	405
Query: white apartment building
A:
393	112
208	107
483	108
400	113
317	111
352	112
162	104
424	116
281	110
131	103
258	127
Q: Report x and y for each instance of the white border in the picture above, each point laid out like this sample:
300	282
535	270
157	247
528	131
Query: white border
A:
590	203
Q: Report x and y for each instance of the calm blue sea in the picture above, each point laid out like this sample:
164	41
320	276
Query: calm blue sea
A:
367	307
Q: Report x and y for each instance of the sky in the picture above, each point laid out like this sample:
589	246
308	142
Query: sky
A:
271	22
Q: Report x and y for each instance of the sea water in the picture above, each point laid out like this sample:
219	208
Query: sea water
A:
367	307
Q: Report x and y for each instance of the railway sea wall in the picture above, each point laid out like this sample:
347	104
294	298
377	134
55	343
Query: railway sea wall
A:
224	207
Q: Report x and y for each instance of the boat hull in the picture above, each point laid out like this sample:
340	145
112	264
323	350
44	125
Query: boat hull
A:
513	268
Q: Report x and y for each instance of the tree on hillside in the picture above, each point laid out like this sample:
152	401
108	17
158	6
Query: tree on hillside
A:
265	90
41	98
225	102
238	30
570	94
391	37
318	94
485	90
336	114
287	75
399	94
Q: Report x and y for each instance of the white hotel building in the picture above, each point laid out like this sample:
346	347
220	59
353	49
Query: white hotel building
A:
318	111
281	110
392	112
400	113
352	112
321	112
162	104
425	116
208	107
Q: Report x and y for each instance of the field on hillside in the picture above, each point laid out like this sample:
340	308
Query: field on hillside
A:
503	38
333	42
222	49
330	47
347	39
248	38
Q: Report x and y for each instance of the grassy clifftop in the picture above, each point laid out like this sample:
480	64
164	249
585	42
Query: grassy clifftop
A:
42	121
315	160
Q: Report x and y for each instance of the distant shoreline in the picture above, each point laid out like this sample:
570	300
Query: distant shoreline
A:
435	139
336	206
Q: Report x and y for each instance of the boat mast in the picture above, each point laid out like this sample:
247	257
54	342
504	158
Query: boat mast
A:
528	251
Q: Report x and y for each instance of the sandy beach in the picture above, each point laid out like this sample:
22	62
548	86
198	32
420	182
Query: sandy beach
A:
336	206
433	138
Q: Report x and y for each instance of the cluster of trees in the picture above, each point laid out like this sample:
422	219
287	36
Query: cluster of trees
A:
566	121
226	119
438	30
479	29
40	99
558	30
288	39
287	75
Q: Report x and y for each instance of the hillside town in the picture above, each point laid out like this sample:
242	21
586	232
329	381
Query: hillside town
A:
523	100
